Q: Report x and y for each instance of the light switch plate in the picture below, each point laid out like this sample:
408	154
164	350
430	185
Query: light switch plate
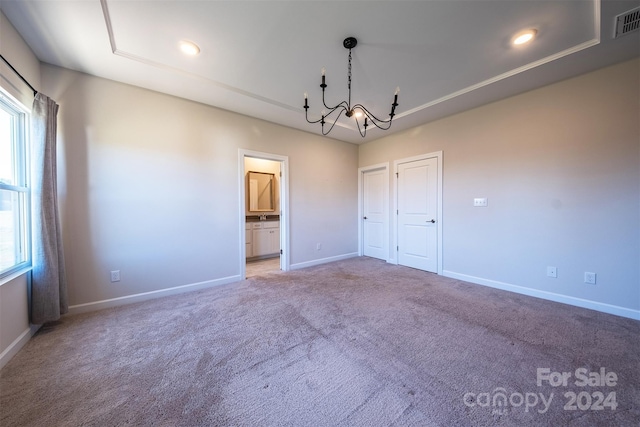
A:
480	202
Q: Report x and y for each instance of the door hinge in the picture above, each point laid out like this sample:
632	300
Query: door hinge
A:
281	252
397	211
397	248
397	175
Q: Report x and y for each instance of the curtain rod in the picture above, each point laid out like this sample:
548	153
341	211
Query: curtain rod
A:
19	75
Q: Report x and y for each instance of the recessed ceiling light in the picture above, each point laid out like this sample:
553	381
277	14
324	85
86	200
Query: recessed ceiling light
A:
189	48
524	37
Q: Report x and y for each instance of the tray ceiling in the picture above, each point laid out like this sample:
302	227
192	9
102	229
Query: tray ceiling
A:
258	57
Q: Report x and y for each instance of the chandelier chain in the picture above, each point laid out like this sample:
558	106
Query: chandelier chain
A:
349	69
349	77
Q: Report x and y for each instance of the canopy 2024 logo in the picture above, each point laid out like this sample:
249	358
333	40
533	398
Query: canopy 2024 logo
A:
500	400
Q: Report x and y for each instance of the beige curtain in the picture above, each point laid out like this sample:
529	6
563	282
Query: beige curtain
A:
48	281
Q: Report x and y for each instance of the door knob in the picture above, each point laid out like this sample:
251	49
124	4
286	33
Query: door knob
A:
365	217
433	221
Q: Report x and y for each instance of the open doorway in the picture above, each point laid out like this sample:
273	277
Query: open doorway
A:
263	213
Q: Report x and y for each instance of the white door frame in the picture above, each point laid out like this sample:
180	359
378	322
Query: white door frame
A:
285	258
438	156
385	171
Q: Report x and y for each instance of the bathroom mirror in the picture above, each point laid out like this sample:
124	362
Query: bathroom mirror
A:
261	192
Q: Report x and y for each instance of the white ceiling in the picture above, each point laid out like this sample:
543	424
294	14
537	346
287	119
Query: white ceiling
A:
259	57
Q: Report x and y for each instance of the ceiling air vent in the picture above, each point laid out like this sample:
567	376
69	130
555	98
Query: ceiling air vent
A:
628	22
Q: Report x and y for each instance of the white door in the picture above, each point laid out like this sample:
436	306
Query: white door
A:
417	214
373	218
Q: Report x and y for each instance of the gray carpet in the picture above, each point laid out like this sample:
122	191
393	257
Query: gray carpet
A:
352	343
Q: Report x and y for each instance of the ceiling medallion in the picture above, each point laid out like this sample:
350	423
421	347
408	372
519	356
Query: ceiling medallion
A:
356	111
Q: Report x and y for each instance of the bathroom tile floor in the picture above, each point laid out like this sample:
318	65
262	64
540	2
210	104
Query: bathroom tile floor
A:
263	266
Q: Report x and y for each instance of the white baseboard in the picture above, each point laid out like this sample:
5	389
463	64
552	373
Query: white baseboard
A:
551	296
129	299
17	344
322	261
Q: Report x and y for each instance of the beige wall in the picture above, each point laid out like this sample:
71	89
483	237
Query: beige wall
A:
149	186
560	167
14	317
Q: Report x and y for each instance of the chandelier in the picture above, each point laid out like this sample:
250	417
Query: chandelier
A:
357	111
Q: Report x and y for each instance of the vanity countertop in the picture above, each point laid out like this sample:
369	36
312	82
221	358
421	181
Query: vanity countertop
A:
256	218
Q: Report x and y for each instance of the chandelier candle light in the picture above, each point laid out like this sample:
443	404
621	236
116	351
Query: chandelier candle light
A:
356	111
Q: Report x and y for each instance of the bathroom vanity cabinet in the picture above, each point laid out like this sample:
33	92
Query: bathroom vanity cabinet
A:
262	238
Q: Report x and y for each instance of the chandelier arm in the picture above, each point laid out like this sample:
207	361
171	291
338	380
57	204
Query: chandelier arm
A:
376	121
334	122
362	134
324	116
371	116
306	116
313	122
379	124
332	110
344	104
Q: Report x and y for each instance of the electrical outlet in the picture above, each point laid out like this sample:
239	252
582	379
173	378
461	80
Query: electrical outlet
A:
480	202
552	272
589	278
115	276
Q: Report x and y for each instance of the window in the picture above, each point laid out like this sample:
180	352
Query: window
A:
14	192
